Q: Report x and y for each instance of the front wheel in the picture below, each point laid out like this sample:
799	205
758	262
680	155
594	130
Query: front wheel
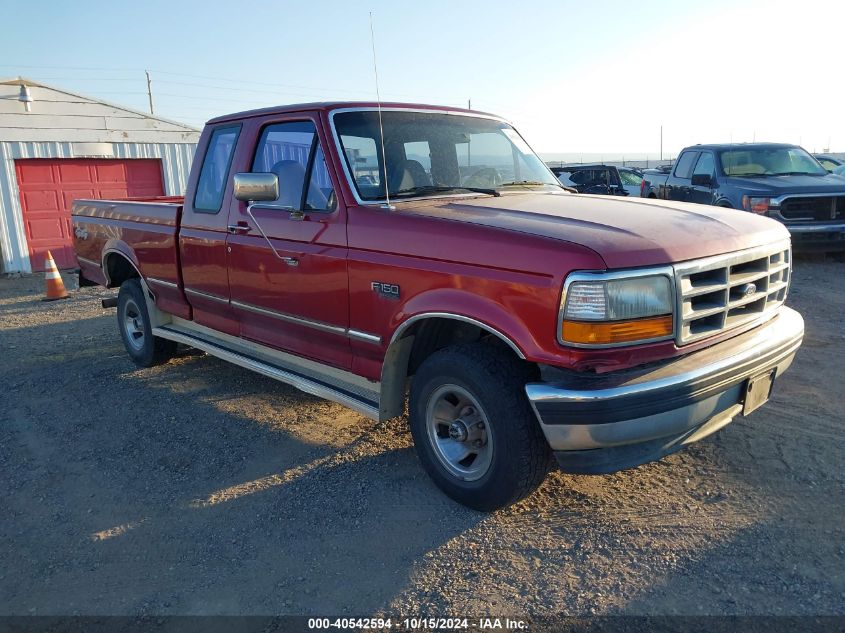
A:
473	428
133	321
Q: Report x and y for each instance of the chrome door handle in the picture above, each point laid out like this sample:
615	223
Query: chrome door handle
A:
290	261
239	228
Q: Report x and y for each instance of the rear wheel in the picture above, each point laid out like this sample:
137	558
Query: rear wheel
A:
473	428
133	321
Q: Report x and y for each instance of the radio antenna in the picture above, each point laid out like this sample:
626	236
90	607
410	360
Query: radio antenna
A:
380	124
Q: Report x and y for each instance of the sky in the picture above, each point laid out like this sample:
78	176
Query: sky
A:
580	80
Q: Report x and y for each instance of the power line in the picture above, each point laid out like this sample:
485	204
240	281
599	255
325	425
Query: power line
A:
231	80
132	79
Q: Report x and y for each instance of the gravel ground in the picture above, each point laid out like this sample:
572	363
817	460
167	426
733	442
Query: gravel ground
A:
198	487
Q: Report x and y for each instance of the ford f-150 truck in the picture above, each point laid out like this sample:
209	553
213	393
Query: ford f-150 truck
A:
773	179
441	263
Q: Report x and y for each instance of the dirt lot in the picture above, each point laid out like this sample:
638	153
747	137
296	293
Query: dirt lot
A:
199	487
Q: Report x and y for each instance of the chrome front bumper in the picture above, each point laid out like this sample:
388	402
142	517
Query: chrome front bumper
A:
600	423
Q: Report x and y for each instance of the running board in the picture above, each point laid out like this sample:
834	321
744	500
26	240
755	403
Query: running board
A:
329	383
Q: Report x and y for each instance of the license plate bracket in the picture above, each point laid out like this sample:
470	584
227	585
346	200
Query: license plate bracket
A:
757	391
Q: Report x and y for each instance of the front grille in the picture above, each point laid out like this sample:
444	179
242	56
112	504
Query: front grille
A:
814	208
724	292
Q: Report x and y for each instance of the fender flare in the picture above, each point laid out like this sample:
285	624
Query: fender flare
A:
407	323
121	249
395	366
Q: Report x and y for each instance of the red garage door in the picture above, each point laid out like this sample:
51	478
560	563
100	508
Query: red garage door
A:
49	186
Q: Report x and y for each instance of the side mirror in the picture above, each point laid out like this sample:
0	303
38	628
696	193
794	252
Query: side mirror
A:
702	180
256	187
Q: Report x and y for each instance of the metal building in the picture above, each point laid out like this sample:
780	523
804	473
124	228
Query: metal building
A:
56	146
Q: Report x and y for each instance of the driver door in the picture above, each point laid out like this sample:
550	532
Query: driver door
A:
288	257
706	166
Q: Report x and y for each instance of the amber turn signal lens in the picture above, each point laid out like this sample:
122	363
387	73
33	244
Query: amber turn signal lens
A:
755	205
603	332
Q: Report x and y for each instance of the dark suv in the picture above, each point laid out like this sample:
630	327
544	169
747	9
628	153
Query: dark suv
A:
774	179
600	179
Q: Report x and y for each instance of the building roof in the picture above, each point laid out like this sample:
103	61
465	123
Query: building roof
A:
56	114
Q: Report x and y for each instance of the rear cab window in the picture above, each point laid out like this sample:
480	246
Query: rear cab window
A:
215	169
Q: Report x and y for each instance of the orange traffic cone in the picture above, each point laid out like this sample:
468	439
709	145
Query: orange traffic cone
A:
55	285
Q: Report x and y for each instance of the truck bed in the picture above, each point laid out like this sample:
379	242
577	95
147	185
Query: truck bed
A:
145	231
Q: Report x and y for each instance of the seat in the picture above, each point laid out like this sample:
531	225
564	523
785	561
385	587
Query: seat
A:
410	174
291	174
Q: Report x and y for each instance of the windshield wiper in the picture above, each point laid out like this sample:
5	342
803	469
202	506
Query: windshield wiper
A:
527	183
423	189
749	175
797	173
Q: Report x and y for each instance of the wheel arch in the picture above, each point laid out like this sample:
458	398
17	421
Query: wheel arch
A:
418	319
118	266
418	337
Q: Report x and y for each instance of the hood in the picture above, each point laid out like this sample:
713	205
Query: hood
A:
780	185
625	232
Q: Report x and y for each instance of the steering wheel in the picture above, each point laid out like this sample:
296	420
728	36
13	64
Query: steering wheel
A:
484	177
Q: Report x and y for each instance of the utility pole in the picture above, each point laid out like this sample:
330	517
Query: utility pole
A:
150	91
661	142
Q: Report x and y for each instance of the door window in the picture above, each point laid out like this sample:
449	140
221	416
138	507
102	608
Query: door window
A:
705	165
292	151
582	177
320	193
215	169
630	177
685	163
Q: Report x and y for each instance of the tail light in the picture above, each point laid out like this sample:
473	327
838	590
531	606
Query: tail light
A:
642	188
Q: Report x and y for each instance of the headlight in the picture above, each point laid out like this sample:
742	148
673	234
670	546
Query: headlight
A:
610	309
755	205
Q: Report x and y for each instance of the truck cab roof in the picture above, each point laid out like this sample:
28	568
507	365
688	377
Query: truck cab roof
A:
328	106
750	146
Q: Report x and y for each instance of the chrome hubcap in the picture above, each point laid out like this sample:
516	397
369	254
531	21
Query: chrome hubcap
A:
133	324
459	432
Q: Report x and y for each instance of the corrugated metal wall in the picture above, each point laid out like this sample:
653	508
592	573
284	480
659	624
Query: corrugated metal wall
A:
176	164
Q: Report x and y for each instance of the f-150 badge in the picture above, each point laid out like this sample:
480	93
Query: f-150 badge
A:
388	291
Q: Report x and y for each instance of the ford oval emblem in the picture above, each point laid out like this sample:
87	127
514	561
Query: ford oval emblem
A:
748	290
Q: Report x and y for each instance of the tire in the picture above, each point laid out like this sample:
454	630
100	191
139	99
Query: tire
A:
478	382
133	322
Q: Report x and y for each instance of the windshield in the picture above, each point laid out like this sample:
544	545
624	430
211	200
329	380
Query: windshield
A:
770	161
434	153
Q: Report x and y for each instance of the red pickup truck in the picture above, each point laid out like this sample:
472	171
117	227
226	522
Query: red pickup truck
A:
368	255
